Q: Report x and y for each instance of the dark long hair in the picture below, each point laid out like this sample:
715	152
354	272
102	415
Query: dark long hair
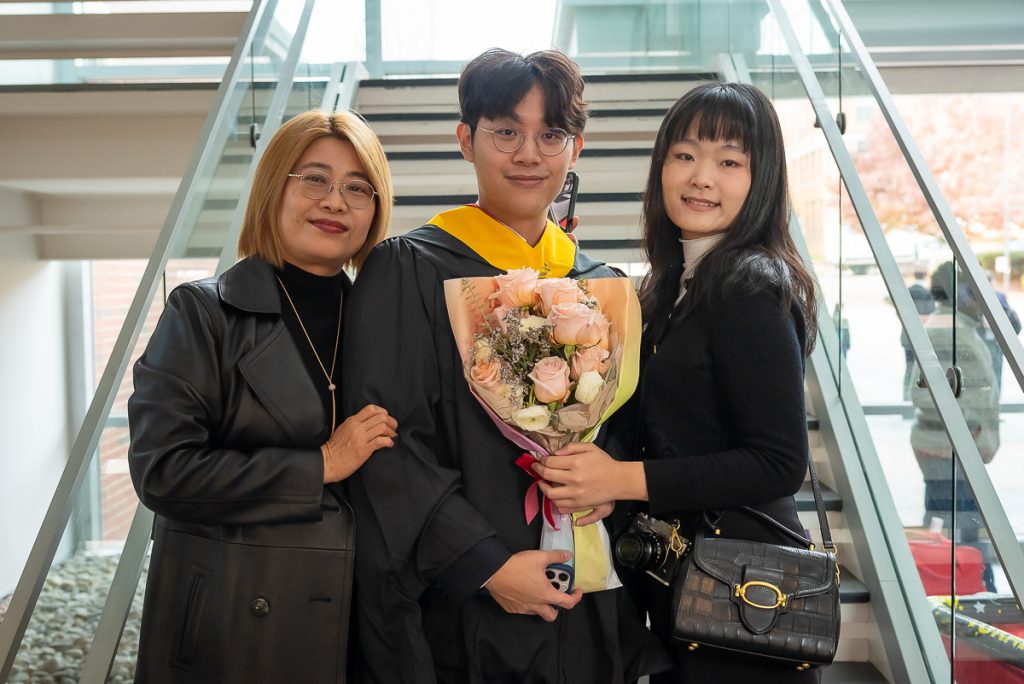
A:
757	249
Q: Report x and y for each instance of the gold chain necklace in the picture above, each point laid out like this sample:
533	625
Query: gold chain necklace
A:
334	360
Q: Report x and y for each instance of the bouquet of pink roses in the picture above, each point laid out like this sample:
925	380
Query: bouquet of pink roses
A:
550	359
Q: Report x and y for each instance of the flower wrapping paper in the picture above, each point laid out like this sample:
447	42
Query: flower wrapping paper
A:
468	302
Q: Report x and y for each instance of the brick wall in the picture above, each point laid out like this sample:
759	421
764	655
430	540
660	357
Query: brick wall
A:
113	287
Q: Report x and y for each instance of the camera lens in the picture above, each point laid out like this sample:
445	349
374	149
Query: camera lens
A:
632	550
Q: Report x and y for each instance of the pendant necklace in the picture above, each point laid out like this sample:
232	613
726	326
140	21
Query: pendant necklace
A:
334	359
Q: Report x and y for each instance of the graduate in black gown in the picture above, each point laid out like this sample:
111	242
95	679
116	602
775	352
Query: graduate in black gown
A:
451	586
718	421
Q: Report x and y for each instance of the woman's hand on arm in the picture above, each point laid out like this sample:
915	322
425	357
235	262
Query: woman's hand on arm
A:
584	476
355	440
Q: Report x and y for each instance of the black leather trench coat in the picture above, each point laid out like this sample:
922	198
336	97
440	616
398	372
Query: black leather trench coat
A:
251	573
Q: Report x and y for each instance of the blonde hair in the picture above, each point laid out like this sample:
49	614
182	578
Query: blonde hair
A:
261	230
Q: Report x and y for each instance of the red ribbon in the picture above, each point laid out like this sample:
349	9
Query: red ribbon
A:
530	503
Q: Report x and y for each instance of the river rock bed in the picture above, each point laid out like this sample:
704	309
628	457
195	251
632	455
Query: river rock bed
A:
68	611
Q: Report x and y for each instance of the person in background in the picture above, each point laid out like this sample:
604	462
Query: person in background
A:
978	400
237	441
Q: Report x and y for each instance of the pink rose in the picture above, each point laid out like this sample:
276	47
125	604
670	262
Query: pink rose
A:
589	359
550	379
516	288
488	374
578	324
553	291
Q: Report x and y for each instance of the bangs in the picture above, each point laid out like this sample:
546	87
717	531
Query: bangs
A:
722	116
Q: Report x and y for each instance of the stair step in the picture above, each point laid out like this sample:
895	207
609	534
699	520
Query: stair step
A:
851	589
805	499
852	673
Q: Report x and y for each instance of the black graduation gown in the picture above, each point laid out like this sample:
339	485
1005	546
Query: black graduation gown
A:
440	512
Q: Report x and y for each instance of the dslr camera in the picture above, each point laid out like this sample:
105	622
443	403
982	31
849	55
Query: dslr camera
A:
652	545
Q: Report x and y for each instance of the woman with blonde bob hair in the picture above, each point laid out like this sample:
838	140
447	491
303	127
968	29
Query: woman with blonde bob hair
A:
236	439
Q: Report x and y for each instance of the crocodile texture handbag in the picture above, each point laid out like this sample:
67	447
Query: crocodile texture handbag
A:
768	600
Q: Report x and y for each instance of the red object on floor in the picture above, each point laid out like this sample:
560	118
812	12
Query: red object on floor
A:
932	551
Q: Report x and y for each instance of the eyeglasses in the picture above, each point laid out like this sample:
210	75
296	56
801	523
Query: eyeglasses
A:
551	142
317	185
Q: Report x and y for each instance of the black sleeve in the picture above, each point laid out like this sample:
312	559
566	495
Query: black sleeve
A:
620	436
758	370
391	360
174	416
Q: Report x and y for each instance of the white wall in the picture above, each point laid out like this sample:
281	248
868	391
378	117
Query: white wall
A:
34	439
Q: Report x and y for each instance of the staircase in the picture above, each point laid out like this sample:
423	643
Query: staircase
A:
416	120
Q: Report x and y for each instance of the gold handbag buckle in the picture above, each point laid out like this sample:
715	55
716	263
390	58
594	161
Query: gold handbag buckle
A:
780	598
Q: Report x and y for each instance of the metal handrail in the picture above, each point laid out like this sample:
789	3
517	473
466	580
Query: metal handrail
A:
892	575
216	127
1008	550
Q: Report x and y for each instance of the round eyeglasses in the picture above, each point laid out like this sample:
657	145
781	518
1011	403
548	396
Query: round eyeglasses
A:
316	185
551	142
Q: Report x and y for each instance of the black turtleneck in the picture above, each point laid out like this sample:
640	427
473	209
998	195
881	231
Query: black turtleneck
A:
318	300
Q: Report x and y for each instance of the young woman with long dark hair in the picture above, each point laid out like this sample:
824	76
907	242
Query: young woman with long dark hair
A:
718	421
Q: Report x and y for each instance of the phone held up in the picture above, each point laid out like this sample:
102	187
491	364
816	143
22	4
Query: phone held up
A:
563	208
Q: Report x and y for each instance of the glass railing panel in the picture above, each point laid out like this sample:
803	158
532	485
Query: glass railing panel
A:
59	634
262	68
865	352
951	320
957	328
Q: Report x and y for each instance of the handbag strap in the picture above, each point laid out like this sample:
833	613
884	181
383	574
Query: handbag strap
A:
826	533
819	505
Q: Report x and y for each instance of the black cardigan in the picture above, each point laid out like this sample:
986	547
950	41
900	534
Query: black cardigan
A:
719	417
719	422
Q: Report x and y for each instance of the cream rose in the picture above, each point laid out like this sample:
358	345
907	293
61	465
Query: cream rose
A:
588	387
532	418
532	322
516	288
482	350
553	291
588	359
550	378
488	374
578	324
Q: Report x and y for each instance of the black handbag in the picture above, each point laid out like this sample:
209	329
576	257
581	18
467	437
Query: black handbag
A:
761	599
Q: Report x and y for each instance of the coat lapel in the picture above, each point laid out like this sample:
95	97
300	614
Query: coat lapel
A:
274	369
277	376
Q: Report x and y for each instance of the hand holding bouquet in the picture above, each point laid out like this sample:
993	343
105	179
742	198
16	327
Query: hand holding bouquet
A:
550	360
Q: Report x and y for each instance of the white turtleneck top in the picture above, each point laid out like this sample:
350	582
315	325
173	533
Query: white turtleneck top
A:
693	251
